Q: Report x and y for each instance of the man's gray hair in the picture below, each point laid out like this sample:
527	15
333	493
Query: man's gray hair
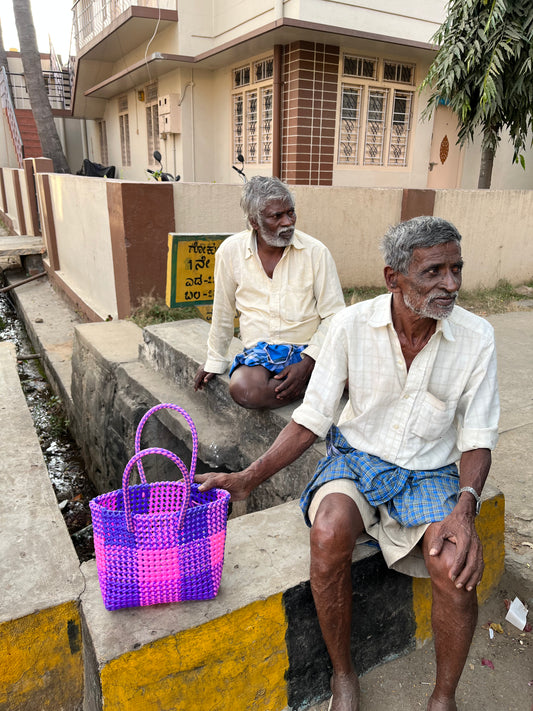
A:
400	241
259	191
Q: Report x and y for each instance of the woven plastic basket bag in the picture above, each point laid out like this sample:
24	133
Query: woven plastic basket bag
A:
160	542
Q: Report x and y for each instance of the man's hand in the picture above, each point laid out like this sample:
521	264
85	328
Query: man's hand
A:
238	484
294	379
201	378
458	527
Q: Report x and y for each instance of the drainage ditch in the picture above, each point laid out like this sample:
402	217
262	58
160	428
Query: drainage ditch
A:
62	456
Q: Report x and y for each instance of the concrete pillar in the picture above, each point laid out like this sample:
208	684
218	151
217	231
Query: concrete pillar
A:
140	216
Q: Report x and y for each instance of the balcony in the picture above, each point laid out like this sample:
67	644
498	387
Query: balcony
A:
109	29
57	85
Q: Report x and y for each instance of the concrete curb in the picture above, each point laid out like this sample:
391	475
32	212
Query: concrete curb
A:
40	627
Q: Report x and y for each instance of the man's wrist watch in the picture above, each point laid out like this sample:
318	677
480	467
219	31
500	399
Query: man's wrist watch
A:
474	493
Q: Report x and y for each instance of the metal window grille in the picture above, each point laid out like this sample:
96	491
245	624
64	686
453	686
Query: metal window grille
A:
152	131
251	126
264	69
349	124
363	67
398	72
266	125
400	127
152	120
375	126
238	126
241	76
125	139
102	135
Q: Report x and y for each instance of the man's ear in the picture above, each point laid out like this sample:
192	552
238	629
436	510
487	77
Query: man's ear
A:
391	279
254	223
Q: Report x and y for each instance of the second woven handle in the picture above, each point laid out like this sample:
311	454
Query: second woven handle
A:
188	419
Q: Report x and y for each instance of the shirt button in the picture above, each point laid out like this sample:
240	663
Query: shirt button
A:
396	427
406	397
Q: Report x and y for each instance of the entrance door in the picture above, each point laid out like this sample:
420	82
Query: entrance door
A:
446	158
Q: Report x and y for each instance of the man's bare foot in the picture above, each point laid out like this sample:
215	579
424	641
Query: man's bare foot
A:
346	692
441	704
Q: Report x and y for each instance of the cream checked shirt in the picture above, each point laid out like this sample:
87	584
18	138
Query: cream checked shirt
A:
422	419
294	307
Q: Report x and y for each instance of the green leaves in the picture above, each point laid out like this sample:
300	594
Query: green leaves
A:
484	69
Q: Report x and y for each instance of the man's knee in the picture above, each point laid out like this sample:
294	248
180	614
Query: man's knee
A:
336	527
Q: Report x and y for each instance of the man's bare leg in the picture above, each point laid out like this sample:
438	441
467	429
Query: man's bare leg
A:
336	527
253	387
453	616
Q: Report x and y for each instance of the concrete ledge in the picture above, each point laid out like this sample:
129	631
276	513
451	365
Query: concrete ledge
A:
40	629
114	383
258	644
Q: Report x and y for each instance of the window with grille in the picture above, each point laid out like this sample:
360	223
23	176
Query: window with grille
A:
264	69
124	127
241	77
401	123
375	126
375	121
152	120
360	67
398	73
252	112
102	137
349	124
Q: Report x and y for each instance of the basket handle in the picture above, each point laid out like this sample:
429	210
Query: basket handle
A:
188	419
136	460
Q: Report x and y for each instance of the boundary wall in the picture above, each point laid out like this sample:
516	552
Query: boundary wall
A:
106	240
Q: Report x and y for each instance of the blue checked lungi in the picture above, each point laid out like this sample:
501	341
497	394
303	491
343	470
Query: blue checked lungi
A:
412	497
273	358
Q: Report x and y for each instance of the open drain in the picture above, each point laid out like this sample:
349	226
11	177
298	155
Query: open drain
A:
62	456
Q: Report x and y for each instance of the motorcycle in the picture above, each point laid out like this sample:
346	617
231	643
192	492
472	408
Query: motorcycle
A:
240	170
160	175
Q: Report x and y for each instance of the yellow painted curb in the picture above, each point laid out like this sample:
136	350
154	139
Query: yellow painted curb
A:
42	665
490	526
202	668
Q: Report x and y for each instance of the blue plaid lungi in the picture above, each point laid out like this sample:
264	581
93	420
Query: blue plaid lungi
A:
412	497
271	357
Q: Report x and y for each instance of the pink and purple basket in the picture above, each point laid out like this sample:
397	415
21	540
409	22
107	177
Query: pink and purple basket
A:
160	542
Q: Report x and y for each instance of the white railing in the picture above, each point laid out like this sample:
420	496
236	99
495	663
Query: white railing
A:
91	17
7	105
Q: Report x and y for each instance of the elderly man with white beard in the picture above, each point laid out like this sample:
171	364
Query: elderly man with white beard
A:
284	285
422	398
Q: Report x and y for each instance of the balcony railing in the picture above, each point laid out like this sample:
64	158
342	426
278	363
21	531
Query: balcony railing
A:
57	86
92	17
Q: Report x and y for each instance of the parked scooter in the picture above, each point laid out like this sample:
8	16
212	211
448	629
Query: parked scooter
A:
160	175
240	170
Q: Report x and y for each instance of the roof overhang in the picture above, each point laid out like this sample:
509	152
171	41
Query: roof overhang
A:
261	40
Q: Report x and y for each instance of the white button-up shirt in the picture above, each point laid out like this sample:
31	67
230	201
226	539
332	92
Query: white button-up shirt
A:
295	306
446	404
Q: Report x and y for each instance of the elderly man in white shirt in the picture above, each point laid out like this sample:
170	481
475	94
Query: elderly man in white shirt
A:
285	287
421	375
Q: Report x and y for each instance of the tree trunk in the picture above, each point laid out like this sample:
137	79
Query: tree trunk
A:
40	104
3	55
485	169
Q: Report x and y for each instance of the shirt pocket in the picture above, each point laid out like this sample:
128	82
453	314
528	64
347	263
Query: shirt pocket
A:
298	303
434	418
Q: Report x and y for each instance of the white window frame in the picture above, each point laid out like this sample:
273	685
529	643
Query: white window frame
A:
124	128
252	111
375	132
152	120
